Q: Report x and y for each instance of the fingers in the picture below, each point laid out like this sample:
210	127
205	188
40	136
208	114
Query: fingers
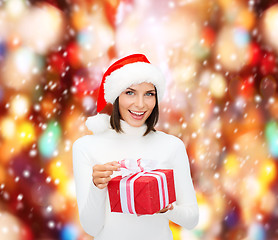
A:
115	163
114	166
102	186
101	182
164	210
168	207
102	172
111	166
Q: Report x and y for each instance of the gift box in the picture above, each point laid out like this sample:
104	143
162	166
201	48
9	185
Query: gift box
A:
143	192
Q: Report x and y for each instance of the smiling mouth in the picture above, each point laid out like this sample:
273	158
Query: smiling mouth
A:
137	115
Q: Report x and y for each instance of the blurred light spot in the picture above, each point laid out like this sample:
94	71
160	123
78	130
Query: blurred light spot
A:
217	85
256	232
26	133
69	232
20	105
51	224
15	8
48	141
8	128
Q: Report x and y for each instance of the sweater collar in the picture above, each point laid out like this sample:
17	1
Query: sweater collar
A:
101	122
134	131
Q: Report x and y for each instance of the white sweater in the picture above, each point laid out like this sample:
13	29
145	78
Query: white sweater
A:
93	203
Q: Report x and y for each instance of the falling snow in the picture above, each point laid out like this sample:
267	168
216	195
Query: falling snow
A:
230	130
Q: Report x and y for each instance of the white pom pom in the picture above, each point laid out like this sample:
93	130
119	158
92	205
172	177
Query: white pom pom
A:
98	123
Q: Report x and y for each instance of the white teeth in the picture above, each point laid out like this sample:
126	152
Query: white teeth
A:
136	113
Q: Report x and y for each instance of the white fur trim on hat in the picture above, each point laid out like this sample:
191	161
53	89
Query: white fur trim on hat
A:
98	123
133	73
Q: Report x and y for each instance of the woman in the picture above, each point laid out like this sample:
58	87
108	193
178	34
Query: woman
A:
134	87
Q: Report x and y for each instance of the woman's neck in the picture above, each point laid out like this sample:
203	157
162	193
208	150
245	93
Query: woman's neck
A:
130	130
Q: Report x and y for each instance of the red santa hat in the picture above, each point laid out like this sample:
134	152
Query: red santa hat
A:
133	69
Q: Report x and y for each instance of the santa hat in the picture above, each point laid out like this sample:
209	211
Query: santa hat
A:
133	69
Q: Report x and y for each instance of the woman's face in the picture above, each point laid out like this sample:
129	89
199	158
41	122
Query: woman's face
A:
136	103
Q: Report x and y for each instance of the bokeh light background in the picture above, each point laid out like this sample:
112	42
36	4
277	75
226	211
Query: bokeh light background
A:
220	61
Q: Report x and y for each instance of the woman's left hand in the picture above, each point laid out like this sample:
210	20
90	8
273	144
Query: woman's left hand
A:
164	210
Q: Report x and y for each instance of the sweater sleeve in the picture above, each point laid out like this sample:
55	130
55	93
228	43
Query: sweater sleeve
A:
90	199
186	211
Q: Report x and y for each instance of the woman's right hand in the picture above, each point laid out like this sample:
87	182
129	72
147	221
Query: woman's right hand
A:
102	172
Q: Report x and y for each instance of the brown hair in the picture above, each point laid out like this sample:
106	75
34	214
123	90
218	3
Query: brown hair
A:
150	122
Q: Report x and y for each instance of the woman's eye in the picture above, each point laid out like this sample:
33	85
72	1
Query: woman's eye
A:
129	92
150	94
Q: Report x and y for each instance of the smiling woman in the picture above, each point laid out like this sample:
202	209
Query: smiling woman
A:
135	105
134	87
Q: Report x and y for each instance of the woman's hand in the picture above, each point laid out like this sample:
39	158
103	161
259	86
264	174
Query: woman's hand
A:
164	210
102	172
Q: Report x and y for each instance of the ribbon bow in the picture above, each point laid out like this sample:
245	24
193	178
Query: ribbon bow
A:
132	169
132	166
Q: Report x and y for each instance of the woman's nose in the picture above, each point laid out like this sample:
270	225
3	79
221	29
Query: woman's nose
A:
139	101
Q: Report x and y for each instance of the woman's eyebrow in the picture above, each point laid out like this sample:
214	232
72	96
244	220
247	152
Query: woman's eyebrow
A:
131	89
152	90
